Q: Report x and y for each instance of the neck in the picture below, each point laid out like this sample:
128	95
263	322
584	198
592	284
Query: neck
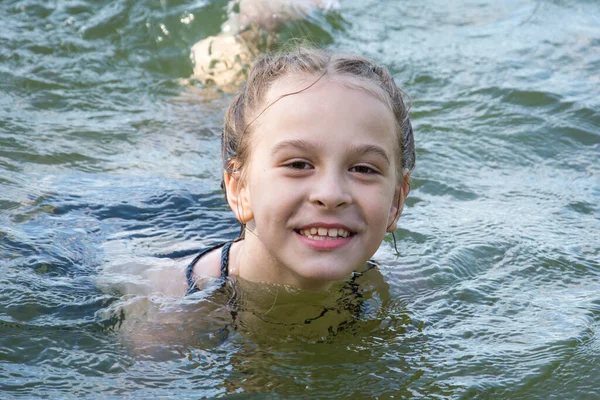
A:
253	262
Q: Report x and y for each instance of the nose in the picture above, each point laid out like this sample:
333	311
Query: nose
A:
330	191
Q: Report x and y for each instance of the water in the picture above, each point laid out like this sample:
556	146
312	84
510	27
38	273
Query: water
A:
107	161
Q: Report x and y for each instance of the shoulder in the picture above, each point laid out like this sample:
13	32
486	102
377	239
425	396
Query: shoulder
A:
208	265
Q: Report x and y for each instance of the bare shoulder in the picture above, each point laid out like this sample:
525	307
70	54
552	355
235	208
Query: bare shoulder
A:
209	265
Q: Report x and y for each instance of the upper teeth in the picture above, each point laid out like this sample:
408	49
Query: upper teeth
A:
332	232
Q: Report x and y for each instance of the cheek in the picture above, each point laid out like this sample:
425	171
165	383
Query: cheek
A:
271	198
380	205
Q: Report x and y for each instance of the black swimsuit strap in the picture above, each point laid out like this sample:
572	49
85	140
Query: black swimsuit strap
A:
189	273
225	260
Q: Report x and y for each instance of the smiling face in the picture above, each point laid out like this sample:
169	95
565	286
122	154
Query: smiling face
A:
321	185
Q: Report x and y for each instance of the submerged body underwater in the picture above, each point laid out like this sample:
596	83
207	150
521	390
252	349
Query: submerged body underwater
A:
110	177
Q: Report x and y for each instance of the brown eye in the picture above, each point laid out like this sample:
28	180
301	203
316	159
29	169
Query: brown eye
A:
364	169
299	165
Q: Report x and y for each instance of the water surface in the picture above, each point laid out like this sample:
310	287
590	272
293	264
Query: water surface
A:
106	160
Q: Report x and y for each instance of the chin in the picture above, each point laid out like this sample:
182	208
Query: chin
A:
322	276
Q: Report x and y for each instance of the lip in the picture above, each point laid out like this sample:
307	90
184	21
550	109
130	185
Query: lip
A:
325	244
327	226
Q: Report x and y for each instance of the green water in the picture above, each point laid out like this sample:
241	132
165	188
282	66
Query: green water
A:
107	160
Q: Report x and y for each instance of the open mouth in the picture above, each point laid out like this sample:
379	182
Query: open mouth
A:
318	233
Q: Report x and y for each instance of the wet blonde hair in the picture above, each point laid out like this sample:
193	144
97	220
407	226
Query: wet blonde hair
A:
249	104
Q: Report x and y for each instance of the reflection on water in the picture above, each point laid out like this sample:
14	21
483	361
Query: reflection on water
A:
109	173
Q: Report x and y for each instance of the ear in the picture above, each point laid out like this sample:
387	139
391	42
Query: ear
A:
238	197
398	203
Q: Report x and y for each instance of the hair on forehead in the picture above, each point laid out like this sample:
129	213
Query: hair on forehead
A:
303	80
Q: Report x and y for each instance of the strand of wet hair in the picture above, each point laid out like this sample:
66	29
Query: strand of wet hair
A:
281	97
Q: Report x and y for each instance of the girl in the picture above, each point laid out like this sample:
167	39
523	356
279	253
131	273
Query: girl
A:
317	150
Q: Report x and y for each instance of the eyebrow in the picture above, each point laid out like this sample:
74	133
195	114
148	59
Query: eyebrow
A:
298	144
364	149
361	149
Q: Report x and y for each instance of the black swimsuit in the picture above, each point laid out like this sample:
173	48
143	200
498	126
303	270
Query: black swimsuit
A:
351	299
192	288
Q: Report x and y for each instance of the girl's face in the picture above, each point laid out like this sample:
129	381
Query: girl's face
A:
321	187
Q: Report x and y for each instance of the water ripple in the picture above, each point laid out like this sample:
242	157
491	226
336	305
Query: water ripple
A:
109	172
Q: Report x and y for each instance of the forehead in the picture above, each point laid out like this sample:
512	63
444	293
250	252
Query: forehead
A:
292	83
335	111
327	95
